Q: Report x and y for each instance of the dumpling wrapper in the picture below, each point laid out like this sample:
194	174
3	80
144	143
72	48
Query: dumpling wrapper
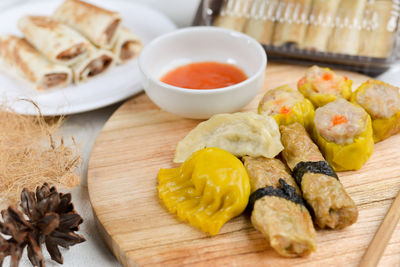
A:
241	134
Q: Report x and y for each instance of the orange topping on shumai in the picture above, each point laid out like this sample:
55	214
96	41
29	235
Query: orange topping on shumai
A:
284	110
339	119
302	81
327	76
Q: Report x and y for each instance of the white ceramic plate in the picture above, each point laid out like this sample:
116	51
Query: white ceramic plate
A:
117	84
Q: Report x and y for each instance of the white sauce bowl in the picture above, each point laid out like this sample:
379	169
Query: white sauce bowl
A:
199	44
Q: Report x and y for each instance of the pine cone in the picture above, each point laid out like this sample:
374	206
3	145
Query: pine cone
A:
51	220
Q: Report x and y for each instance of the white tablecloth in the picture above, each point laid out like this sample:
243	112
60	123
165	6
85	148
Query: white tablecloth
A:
85	128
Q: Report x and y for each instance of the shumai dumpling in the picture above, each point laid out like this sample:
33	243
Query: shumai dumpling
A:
241	134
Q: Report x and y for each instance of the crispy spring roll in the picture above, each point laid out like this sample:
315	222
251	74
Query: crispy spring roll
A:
59	43
260	24
96	63
346	36
377	39
97	24
277	208
292	22
331	205
322	19
233	14
22	61
127	45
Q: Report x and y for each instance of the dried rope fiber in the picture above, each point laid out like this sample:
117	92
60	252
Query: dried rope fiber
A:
32	152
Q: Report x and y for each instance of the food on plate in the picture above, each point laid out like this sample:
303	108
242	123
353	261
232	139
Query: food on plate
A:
291	24
277	209
97	62
59	43
322	22
331	205
382	102
127	45
20	60
97	24
287	106
204	75
345	39
241	133
343	132
208	189
261	21
322	85
233	14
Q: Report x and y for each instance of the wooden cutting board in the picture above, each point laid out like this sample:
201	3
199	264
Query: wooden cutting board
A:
139	139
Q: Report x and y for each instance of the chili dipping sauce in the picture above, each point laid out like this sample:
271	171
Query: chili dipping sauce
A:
204	75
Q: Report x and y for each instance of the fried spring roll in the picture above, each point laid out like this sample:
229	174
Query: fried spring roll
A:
233	14
322	19
22	61
97	24
322	190
292	22
59	43
382	25
127	45
283	221
260	24
96	63
346	36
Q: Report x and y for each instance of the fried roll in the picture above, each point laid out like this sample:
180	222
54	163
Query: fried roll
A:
278	210
20	60
260	24
381	25
97	24
382	102
287	106
322	85
127	45
59	43
96	63
346	36
233	14
292	22
331	206
322	22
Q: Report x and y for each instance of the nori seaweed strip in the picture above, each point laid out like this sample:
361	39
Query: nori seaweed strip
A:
304	167
287	192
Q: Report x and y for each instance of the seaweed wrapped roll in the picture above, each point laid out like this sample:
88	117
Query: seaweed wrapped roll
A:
278	210
287	106
322	85
382	102
343	132
331	206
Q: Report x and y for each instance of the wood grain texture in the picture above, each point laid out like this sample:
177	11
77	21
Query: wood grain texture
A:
139	139
382	236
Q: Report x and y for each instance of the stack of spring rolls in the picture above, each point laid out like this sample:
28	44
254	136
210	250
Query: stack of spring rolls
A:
79	41
356	27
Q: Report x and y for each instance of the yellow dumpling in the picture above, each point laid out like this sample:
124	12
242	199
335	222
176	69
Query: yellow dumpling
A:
207	190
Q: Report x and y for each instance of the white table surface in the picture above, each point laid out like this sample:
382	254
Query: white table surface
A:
86	126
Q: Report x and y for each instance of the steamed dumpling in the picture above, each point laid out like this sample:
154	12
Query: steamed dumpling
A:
241	134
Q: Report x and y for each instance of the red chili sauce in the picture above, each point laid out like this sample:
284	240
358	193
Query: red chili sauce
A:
204	75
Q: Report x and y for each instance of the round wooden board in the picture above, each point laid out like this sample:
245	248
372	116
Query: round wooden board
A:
139	139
